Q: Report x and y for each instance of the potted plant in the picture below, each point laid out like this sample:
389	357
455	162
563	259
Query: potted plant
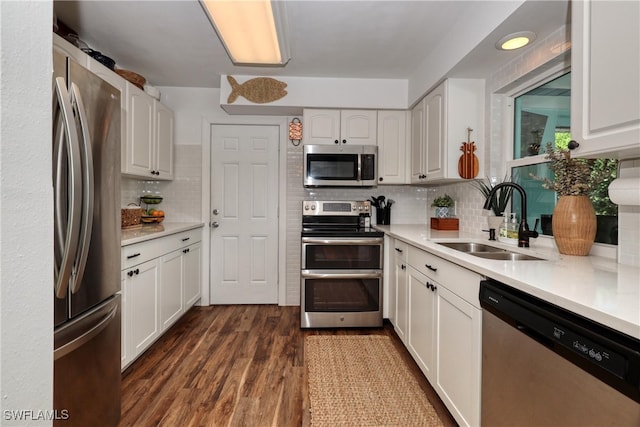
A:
500	199
574	219
442	205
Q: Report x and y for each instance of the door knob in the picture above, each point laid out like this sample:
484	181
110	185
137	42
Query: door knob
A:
215	224
216	211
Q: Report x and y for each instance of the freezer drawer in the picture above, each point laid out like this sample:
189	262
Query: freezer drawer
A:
87	367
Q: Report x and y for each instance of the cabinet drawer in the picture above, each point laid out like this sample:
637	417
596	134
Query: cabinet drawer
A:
150	249
459	280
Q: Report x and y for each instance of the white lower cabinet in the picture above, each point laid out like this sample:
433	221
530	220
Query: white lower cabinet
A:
191	275
171	288
141	289
401	295
160	282
439	319
458	356
422	319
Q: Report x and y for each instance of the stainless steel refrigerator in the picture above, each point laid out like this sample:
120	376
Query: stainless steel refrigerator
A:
86	183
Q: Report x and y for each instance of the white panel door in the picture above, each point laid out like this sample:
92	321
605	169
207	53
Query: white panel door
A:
244	203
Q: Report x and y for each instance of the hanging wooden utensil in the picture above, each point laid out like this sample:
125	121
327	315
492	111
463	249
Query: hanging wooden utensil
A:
468	165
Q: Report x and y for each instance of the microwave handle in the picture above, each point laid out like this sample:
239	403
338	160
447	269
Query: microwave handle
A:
360	167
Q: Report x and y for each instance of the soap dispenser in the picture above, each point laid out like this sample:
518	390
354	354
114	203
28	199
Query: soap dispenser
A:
502	231
509	229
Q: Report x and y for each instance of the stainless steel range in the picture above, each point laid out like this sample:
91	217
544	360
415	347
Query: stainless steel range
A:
342	258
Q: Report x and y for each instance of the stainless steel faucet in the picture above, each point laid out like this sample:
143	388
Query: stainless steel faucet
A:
524	234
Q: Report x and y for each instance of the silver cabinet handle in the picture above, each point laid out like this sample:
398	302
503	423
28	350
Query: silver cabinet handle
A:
216	211
215	224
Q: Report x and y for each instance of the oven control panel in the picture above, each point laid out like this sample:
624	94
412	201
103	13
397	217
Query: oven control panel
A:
336	207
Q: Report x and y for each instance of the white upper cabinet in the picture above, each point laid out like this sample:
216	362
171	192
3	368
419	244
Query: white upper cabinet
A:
392	146
148	152
439	127
605	87
338	127
164	135
418	148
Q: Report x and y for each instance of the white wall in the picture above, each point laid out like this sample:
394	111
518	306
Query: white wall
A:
26	223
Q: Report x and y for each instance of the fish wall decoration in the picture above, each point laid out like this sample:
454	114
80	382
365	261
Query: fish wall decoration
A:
259	90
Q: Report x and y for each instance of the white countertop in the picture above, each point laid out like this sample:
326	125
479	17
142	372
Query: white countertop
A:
152	231
594	287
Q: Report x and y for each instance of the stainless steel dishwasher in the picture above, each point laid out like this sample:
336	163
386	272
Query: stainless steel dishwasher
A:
545	366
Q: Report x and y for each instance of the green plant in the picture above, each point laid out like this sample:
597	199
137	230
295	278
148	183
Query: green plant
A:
572	177
500	198
443	201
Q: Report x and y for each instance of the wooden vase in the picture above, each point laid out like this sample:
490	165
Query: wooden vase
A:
574	225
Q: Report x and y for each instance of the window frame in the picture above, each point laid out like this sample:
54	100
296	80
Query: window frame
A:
509	93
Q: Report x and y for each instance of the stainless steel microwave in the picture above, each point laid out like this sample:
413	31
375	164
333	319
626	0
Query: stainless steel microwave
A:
340	166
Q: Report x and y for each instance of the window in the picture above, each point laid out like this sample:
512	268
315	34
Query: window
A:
543	115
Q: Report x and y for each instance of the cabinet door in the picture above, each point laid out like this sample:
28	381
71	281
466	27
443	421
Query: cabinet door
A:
392	146
125	352
164	134
321	126
605	88
422	319
401	296
418	150
171	288
459	335
358	127
434	109
142	301
191	275
138	159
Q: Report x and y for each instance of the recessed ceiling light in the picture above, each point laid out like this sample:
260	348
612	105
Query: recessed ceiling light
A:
515	40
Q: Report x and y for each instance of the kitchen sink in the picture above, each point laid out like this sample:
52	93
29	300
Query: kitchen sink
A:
506	256
489	252
471	247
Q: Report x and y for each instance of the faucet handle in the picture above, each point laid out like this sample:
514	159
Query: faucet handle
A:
535	226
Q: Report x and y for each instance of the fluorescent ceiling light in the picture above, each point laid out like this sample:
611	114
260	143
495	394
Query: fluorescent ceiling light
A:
252	31
515	40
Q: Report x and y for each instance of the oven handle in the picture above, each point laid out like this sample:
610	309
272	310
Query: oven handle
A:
352	241
310	274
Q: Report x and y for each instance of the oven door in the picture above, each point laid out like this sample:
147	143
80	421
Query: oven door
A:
333	253
341	299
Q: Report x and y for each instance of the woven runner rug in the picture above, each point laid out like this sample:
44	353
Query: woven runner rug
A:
361	380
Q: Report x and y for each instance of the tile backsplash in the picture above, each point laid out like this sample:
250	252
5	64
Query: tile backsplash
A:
182	197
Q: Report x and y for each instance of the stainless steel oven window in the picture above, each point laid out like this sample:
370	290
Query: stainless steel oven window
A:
337	293
339	254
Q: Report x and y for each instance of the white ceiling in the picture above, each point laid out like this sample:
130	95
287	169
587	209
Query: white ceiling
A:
172	43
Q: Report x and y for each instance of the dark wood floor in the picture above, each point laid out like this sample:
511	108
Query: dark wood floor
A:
237	365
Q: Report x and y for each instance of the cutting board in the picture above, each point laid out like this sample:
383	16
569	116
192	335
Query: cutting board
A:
468	165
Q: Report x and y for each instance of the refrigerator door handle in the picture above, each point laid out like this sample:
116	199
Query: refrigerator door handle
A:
67	348
74	187
86	159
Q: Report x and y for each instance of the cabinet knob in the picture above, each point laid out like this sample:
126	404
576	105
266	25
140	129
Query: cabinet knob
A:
336	142
403	267
137	271
130	273
344	141
573	145
215	224
381	179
